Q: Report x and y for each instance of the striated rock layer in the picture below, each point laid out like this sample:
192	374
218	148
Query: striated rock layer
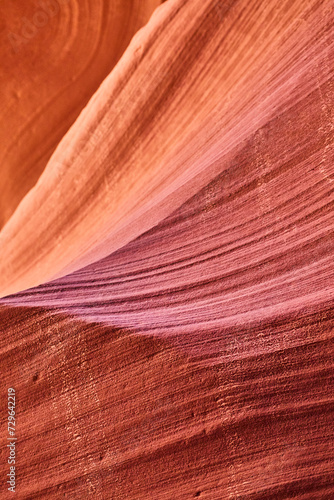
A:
103	413
161	128
167	284
54	55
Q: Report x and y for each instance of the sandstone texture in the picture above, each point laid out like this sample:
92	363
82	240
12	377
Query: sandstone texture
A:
167	248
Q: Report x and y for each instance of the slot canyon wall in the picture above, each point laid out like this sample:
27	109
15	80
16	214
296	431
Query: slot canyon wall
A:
167	249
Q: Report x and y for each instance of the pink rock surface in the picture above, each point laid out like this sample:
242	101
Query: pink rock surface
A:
167	284
164	127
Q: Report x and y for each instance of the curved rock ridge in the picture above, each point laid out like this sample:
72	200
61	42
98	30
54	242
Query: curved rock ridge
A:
195	84
253	248
54	55
167	261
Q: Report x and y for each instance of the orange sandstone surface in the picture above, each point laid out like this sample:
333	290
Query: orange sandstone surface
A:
167	248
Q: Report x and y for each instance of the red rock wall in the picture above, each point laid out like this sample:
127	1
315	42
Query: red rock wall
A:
167	273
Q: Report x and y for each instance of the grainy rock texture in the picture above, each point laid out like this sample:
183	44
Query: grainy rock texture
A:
167	282
54	55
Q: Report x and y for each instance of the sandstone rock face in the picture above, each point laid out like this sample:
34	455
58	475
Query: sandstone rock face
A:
167	251
55	54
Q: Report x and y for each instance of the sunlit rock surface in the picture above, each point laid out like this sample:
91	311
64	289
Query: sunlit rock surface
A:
167	284
54	55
